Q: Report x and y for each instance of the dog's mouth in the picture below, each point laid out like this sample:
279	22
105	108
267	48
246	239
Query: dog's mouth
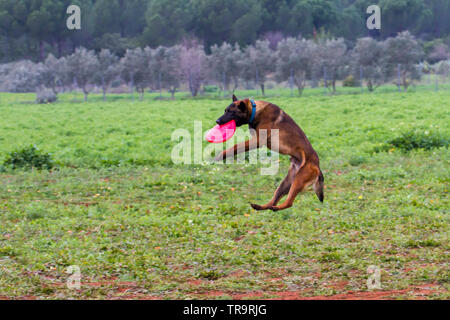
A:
223	120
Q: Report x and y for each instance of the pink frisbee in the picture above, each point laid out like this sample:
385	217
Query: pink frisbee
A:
222	133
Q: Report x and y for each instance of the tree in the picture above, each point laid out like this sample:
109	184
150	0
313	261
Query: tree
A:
21	76
136	69
440	52
165	69
438	24
166	22
324	13
330	58
193	66
442	68
108	70
260	62
368	61
30	29
274	38
225	65
290	18
83	66
170	70
294	60
250	21
124	17
54	73
402	55
398	16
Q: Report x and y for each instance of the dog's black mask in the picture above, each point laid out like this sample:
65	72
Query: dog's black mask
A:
236	111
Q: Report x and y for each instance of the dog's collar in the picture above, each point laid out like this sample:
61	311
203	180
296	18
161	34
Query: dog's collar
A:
252	117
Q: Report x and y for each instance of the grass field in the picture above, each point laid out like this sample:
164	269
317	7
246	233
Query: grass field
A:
139	226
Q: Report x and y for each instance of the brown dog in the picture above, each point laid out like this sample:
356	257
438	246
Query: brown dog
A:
304	170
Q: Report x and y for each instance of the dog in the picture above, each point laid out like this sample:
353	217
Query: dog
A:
304	170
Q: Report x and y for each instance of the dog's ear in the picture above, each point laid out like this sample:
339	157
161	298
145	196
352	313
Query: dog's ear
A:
242	106
234	98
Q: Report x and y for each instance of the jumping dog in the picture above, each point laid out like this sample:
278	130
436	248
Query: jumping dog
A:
304	170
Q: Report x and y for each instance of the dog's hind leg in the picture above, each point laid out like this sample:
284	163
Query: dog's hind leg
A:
318	187
304	178
284	187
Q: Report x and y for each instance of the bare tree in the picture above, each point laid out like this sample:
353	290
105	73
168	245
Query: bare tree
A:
193	66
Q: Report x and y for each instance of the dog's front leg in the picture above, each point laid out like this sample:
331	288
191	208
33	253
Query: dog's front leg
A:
238	148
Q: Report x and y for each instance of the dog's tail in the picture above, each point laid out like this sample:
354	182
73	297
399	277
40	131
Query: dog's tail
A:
318	186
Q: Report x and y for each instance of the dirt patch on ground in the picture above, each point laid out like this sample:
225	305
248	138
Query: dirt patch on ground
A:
21	298
126	290
415	292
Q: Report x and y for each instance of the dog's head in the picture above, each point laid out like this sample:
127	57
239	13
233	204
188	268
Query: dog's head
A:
237	111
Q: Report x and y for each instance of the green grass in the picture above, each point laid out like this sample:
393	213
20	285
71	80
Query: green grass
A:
139	226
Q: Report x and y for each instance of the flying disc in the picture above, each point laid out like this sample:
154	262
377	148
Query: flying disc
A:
222	133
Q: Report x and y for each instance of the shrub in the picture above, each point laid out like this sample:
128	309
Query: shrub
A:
210	274
46	96
210	89
412	140
350	81
419	140
357	160
271	85
29	158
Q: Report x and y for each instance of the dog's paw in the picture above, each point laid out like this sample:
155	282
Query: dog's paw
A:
275	209
256	206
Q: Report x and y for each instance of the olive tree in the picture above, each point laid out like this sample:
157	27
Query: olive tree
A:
135	69
166	67
403	53
225	65
193	66
369	62
331	59
82	66
108	70
259	61
294	60
54	73
21	76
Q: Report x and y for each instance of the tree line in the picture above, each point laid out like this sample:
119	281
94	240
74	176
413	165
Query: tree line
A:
294	61
31	29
